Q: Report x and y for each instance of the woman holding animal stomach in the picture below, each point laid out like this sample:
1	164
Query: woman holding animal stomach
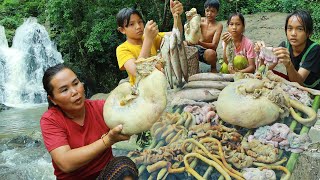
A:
73	129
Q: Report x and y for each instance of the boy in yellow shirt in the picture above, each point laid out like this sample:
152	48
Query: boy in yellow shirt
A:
141	41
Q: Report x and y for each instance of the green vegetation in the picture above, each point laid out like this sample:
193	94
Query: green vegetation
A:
86	35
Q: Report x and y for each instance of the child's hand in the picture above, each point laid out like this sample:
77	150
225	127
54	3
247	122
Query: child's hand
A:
151	30
258	45
283	56
176	7
159	66
226	37
231	69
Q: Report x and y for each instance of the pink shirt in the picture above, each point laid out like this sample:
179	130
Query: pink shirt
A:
245	49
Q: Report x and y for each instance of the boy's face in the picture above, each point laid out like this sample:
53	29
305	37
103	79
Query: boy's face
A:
211	13
295	31
135	27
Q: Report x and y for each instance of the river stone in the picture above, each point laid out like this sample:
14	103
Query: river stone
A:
4	107
307	167
314	134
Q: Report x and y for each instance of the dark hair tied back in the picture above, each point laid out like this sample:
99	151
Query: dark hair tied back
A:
47	77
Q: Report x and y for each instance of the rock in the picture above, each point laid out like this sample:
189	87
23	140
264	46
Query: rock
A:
4	107
307	167
314	134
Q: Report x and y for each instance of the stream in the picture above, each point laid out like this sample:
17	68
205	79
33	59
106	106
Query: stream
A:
22	152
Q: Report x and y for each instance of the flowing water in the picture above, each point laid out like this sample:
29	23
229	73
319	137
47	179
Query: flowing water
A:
22	153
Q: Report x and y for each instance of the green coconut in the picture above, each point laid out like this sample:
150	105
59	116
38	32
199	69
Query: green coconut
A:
224	68
240	62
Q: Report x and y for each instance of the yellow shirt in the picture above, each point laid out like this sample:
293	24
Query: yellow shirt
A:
127	51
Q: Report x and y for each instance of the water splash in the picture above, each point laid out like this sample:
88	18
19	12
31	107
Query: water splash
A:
26	162
3	39
22	66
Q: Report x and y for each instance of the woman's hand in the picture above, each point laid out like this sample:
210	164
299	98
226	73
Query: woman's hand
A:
176	7
283	56
226	37
151	30
114	135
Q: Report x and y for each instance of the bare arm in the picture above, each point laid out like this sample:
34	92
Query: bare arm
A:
68	159
131	66
215	39
283	56
271	67
250	68
176	8
297	76
150	32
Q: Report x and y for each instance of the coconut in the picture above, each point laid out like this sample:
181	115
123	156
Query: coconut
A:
240	62
224	68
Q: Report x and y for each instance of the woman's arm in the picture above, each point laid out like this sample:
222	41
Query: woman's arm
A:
69	160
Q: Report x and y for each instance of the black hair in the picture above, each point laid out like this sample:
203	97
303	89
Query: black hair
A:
123	16
212	4
236	14
47	77
305	18
119	168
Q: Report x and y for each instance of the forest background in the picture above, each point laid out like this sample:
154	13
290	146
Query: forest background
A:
85	32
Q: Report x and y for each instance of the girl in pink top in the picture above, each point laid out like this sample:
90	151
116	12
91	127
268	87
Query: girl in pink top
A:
243	46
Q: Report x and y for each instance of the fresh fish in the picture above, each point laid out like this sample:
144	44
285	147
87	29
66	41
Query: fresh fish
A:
173	40
165	53
174	54
199	94
230	52
183	61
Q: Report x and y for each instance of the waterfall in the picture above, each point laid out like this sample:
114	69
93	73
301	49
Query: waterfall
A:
23	64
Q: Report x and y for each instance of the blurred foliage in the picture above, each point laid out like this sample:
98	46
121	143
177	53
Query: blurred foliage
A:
86	31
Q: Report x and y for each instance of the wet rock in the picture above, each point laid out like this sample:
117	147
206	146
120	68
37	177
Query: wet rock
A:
23	141
4	107
314	134
307	167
